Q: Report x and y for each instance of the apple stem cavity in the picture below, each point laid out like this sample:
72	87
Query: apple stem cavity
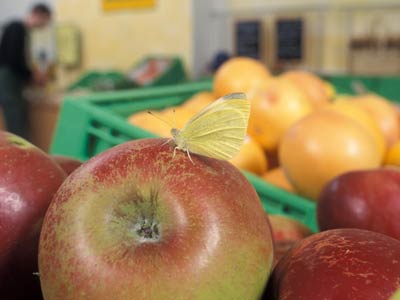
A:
147	231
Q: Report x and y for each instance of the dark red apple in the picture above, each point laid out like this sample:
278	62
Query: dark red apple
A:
68	164
338	264
367	199
136	222
28	180
286	232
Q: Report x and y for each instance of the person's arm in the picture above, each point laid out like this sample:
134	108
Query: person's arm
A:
15	50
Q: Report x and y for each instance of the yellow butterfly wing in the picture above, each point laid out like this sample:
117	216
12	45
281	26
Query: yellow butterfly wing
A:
218	130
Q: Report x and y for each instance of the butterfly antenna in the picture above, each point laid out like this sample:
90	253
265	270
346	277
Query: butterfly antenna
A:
174	118
161	119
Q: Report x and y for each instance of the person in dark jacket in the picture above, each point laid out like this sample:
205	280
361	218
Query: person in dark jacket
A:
15	70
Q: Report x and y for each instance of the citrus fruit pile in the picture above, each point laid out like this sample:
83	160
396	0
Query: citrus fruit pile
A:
300	134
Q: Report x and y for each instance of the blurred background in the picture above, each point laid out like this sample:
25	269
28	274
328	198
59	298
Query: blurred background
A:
114	44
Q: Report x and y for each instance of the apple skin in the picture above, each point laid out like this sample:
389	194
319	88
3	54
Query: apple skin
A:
136	222
285	228
368	199
396	295
338	264
286	232
28	180
68	164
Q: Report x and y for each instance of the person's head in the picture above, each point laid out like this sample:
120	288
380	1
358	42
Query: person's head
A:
39	16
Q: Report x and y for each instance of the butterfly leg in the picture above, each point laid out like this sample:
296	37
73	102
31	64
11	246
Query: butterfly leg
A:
173	156
188	153
166	142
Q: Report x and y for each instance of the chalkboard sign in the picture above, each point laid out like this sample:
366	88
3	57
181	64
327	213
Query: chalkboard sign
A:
289	35
248	38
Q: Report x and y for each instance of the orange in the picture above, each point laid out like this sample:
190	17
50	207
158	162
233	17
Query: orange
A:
278	178
161	122
150	123
322	146
274	110
351	110
330	90
199	101
251	157
239	74
383	112
177	116
393	155
314	87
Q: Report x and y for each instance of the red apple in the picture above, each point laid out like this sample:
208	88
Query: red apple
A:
136	222
396	295
68	164
28	180
286	232
339	264
368	199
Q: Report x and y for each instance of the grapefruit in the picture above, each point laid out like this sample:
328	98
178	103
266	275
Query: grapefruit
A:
251	157
314	87
198	101
322	146
357	114
274	110
150	123
239	74
278	178
383	112
393	155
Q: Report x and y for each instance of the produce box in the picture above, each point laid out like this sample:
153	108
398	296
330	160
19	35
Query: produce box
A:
151	71
90	124
386	86
100	81
158	70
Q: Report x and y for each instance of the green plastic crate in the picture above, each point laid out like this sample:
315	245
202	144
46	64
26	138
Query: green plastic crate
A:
100	81
114	80
93	123
173	75
386	86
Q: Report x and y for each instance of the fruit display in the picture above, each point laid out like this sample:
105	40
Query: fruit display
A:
149	218
383	112
340	264
251	157
274	109
28	180
286	232
68	164
301	134
136	222
350	109
322	146
368	199
318	92
240	74
393	155
278	178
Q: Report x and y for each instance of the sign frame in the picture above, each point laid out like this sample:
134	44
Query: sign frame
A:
112	5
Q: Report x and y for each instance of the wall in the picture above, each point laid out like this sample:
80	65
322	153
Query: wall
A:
209	34
327	31
17	8
120	38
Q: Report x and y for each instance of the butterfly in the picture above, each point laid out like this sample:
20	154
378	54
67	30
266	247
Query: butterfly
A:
217	131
